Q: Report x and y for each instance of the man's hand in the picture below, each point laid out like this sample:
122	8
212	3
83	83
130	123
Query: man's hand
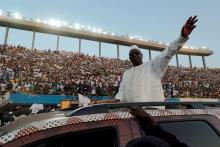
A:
141	115
189	26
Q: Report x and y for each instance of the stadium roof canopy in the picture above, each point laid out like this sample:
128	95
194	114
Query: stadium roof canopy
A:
31	25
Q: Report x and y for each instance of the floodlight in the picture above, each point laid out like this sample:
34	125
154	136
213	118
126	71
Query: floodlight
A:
52	22
17	16
38	20
94	30
77	26
99	30
45	21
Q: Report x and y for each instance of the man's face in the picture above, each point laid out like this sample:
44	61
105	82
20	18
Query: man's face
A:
135	57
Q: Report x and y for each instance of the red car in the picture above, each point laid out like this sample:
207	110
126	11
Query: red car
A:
111	125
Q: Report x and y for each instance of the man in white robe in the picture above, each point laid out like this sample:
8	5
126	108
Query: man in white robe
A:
142	82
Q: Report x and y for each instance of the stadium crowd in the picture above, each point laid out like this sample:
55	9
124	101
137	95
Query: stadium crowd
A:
192	83
62	72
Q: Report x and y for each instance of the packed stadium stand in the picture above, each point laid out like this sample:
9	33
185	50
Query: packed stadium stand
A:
62	72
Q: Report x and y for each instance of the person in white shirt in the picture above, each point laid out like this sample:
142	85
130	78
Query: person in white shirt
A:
142	82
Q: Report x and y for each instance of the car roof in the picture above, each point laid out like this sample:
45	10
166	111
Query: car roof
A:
64	121
104	108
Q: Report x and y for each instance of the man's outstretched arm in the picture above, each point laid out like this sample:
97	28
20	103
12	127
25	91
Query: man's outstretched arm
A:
160	63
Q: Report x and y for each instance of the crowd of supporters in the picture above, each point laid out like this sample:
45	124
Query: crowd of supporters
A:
62	72
193	83
57	72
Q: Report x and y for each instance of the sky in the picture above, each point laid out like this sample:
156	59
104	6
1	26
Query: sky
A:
158	20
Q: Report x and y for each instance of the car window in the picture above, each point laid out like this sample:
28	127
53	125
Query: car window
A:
101	137
193	133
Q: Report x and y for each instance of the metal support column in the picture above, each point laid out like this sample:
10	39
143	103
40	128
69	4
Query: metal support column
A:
149	54
58	42
100	45
79	45
190	61
177	60
6	35
204	64
33	40
118	54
